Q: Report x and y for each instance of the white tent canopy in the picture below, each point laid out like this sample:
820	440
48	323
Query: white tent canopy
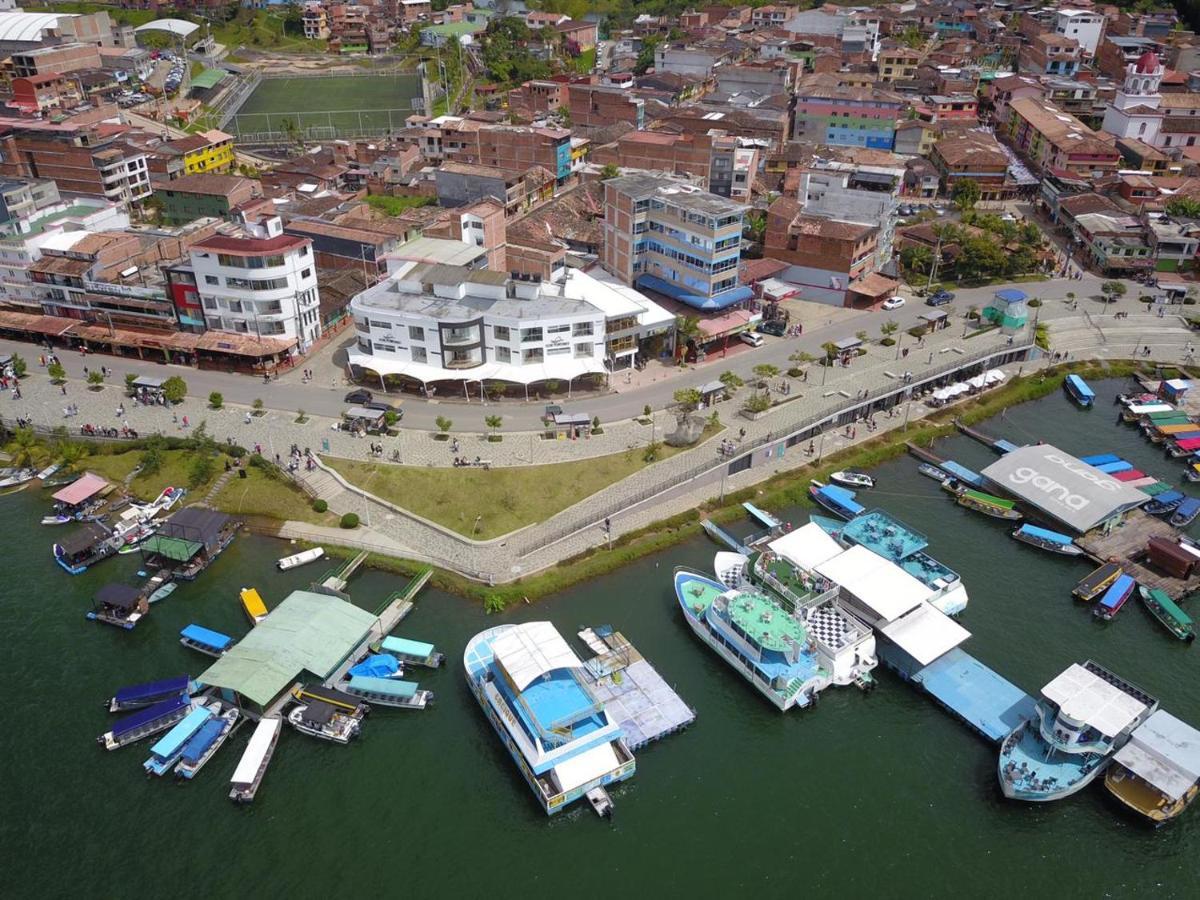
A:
1165	752
177	27
527	652
1086	697
555	370
807	546
881	586
585	767
925	634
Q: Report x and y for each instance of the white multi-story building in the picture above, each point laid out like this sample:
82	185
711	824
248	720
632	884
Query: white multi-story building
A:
1085	25
263	283
436	323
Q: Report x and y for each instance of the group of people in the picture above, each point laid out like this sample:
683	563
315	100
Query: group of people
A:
461	461
103	431
728	447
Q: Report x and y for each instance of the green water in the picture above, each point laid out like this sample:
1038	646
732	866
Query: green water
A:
882	793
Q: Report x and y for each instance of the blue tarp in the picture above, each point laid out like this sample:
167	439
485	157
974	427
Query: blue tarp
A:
841	498
202	740
377	665
698	301
1113	596
149	714
1046	534
962	473
207	637
1011	295
1100	459
152	690
1114	467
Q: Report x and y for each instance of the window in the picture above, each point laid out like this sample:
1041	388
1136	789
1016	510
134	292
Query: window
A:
303	252
529	335
533	355
501	332
419	354
558	329
556	351
211	279
385	325
503	354
416	333
582	329
307	273
210	303
582	350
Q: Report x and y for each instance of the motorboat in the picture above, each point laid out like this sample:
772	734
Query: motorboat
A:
19	477
1099	581
1114	598
300	559
1185	513
323	721
851	479
1045	539
1168	613
931	471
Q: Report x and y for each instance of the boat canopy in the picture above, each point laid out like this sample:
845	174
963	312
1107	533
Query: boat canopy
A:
388	687
1170	607
151	689
173	548
962	473
253	602
318	713
199	743
1186	435
1169	497
879	585
1045	534
256	750
1188	444
528	651
1080	388
149	714
1087	696
1117	592
988	499
1165	752
376	665
807	547
841	497
584	767
925	634
328	695
91	534
1100	459
1129	475
1156	411
1113	468
172	742
81	489
118	596
1174	425
209	638
1187	506
405	647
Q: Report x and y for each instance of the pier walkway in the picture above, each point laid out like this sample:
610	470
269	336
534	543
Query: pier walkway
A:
1126	545
390	614
991	704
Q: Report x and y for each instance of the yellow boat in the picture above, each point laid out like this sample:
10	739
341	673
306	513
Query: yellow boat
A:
253	604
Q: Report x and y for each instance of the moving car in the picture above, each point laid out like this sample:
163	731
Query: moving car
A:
776	327
748	337
358	397
893	302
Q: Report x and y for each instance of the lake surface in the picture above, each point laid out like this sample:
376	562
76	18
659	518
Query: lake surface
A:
867	793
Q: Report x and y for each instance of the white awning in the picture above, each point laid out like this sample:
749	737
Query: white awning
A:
528	651
551	370
591	764
1086	697
925	634
807	546
881	586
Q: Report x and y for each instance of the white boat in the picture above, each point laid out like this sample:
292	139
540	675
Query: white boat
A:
300	559
57	520
48	471
323	720
248	776
163	592
852	479
22	476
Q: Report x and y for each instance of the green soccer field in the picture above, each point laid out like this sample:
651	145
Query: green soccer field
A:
343	103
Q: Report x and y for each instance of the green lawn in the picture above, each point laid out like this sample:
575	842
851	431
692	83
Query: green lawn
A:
505	498
394	206
132	17
341	102
257	494
585	61
175	472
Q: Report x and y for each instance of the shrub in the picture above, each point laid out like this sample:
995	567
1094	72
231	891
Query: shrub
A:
56	372
1189	301
320	505
216	400
883	342
95	378
130	378
919	331
258	406
301	418
795	372
201	470
757	402
349	520
174	389
19	366
1035	303
391	417
647	411
1145	298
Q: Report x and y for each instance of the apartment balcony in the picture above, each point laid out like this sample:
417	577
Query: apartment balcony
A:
461	337
466	363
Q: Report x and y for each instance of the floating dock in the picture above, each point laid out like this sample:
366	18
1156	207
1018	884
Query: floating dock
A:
335	580
722	536
1126	546
991	704
634	695
763	517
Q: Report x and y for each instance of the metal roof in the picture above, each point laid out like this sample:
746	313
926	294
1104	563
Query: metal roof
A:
23	26
530	650
177	27
1064	488
307	632
1165	752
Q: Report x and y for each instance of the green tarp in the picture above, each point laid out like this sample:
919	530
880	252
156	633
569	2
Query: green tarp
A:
176	549
208	78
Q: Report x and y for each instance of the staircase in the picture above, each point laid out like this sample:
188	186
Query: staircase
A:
320	484
216	488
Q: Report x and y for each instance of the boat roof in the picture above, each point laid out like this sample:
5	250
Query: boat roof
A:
256	750
924	633
199	742
171	742
1157	412
195	523
149	714
842	497
82	488
586	766
1164	751
253	602
135	692
118	596
1117	590
418	649
1099	459
764	621
880	585
989	499
1086	696
1062	487
886	536
1163	599
1113	468
961	472
807	547
206	636
1149	409
88	534
390	687
318	712
328	695
1046	534
1187	505
530	650
1081	386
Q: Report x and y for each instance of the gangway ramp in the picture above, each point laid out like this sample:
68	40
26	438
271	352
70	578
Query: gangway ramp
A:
337	580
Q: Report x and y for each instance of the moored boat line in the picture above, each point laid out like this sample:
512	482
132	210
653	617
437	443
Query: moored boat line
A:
139	696
204	744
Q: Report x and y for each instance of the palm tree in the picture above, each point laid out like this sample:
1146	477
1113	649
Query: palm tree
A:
26	452
687	327
70	454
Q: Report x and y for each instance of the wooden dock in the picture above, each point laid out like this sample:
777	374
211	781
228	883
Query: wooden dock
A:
1126	546
924	455
387	616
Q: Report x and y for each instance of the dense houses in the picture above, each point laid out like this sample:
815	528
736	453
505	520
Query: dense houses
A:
693	165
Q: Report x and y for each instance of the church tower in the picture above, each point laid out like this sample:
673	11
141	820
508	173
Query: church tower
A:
1134	112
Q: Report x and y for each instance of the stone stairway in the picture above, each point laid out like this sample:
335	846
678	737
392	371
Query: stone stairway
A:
216	488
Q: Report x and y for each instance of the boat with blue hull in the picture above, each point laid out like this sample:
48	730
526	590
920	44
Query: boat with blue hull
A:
527	681
1045	539
1079	391
167	749
1082	717
1114	598
204	744
838	500
145	722
1165	502
139	696
1185	513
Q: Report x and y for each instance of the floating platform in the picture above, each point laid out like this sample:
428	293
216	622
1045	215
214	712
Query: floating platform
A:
1126	546
634	695
991	704
762	516
720	535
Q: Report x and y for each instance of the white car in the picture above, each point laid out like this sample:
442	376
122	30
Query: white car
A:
893	303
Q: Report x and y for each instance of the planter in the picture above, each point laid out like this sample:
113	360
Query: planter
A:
752	416
495	438
441	437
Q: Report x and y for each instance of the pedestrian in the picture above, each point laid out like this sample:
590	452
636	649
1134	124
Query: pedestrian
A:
64	390
185	421
247	417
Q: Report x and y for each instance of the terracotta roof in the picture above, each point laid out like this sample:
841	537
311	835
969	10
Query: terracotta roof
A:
874	285
203	183
241	246
242	344
976	149
62	265
819	226
753	270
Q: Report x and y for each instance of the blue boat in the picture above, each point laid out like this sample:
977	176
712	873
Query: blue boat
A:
207	641
1100	459
1111	468
145	722
1186	512
204	743
1164	503
1114	598
525	679
377	665
962	473
1045	539
837	500
139	696
168	748
1079	391
388	692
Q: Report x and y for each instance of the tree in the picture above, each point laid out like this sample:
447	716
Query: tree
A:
1184	207
731	380
70	454
917	258
443	424
965	194
130	378
152	457
95	378
765	371
257	405
216	400
887	329
687	327
756	225
688	399
645	57
201	470
912	38
493	422
831	350
19	366
56	372
757	403
609	171
293	20
1113	290
25	450
861	335
802	356
174	389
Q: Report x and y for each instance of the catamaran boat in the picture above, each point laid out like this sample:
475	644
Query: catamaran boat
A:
248	776
201	747
566	746
321	720
300	559
1157	774
1081	719
851	479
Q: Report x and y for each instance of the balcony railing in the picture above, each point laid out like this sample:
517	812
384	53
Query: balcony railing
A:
450	338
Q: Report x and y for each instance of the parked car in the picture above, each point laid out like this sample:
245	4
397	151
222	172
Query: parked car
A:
381	406
359	397
941	298
776	327
749	337
893	302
